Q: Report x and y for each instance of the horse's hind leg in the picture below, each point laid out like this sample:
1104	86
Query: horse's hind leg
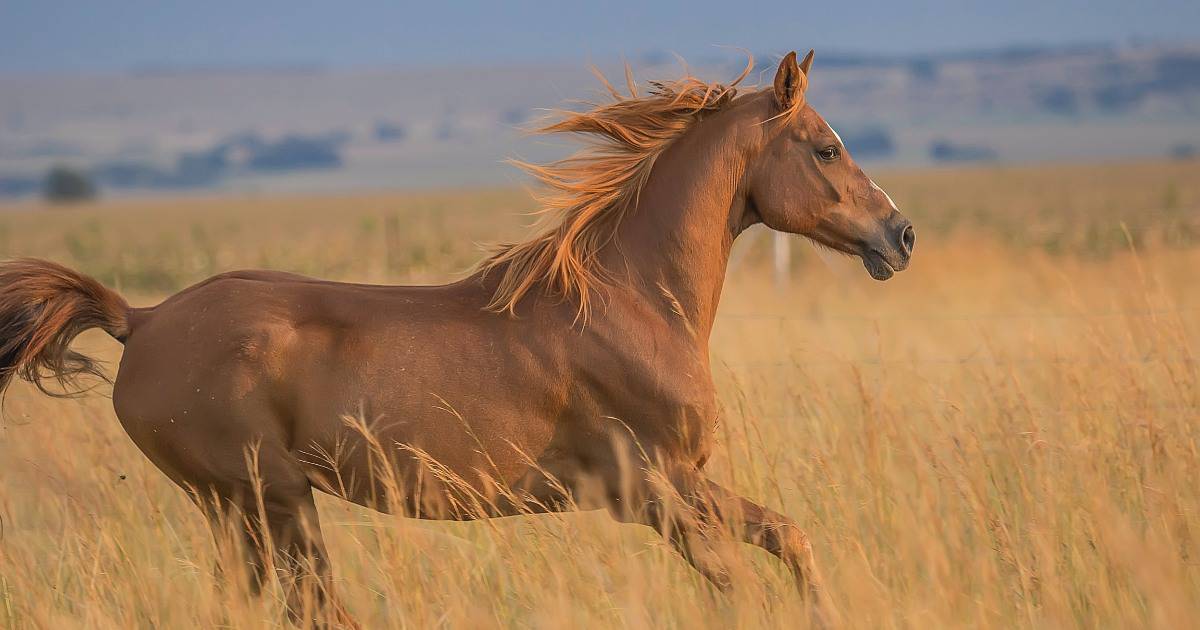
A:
237	562
292	532
282	534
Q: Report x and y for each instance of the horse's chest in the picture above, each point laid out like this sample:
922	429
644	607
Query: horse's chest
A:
675	415
686	427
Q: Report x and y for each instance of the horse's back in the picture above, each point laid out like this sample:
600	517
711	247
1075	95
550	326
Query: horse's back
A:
243	335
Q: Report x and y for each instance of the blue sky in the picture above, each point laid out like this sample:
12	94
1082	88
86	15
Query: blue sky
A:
87	36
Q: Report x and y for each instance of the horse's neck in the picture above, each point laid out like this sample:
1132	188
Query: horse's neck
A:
675	245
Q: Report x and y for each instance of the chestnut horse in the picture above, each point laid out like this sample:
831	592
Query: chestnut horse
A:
570	371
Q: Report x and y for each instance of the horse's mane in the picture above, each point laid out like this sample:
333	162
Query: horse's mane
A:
588	193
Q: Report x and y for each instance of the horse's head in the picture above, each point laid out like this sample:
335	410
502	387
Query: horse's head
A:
804	181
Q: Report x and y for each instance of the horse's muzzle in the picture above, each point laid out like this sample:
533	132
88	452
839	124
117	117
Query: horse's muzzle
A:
892	252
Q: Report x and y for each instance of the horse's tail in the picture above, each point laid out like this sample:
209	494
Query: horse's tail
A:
43	306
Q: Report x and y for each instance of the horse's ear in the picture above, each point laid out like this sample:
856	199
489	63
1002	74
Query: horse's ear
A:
788	81
806	65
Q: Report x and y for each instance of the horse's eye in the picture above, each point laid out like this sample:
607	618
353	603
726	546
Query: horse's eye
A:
829	153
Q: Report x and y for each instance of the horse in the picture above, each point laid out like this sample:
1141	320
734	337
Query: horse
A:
568	371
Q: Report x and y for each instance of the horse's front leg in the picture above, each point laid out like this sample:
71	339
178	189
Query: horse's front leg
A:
696	514
776	533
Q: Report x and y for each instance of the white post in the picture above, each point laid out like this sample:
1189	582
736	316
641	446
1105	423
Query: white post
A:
783	260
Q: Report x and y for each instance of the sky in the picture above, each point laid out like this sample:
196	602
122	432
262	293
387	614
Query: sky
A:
104	36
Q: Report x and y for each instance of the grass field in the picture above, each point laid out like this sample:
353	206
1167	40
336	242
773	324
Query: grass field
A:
1007	434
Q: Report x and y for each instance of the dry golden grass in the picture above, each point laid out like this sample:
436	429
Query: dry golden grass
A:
1004	435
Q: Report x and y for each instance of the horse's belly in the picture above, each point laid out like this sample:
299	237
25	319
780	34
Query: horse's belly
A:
425	446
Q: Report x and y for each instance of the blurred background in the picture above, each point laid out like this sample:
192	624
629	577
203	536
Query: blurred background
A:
144	96
1004	435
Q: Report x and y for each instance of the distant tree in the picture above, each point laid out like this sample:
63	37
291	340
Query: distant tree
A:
64	184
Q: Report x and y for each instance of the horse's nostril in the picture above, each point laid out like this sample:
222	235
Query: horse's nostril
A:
908	238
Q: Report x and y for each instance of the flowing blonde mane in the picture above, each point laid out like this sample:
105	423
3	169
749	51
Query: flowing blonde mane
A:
588	193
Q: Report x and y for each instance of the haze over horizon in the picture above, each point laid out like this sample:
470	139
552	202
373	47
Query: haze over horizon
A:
55	36
274	96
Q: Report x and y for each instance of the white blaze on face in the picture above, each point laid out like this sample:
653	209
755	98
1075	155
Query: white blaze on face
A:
873	184
889	197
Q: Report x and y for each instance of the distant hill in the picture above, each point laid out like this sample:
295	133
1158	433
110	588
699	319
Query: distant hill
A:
305	129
